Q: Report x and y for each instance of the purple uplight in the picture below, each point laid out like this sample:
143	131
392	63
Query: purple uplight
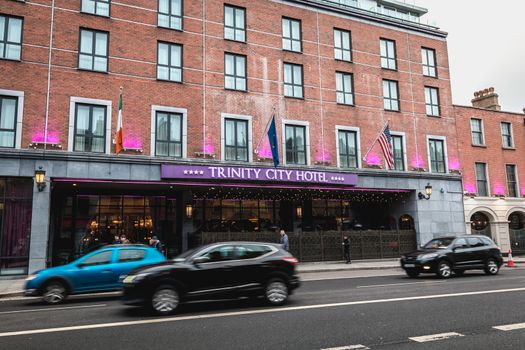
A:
52	137
453	164
208	147
523	191
264	150
326	157
132	142
373	159
470	187
498	188
417	162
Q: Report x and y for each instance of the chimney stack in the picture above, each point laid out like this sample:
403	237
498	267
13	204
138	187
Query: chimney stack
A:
486	99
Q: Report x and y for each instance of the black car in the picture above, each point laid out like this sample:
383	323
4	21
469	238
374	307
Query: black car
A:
445	255
214	271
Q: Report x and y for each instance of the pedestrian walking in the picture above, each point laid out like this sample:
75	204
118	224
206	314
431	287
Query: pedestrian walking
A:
284	240
346	247
155	242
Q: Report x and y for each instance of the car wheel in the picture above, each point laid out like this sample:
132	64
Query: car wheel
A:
412	274
54	292
165	300
276	291
444	269
491	267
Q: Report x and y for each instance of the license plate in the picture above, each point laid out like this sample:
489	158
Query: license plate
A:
410	265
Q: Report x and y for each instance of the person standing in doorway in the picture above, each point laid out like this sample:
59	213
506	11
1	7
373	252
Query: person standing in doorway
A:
346	247
284	240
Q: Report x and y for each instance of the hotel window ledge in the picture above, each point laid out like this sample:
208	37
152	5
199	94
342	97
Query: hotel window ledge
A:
45	145
481	146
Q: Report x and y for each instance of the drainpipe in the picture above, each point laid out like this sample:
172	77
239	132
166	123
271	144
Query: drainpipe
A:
49	71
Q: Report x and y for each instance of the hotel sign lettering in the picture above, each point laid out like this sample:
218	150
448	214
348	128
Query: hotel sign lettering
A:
215	172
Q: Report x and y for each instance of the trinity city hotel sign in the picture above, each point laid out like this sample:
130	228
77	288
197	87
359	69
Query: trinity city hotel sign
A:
201	172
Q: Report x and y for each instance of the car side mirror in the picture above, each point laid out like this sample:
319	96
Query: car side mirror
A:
201	259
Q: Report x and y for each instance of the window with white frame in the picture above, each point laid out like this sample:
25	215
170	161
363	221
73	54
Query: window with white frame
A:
399	152
96	7
236	143
512	182
8	120
10	37
169	62
428	60
342	45
295	141
506	135
234	23
388	54
348	153
291	34
432	101
170	14
481	179
390	95
476	128
234	72
90	128
94	47
168	134
344	88
436	149
293	80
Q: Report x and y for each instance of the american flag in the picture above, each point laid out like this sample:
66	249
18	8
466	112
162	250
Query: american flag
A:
385	139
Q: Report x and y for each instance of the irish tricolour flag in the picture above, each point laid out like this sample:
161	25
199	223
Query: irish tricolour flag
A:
119	135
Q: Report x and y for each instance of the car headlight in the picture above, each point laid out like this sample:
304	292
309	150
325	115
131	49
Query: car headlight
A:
31	277
133	278
428	256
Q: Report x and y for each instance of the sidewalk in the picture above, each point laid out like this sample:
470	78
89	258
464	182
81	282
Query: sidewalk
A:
15	287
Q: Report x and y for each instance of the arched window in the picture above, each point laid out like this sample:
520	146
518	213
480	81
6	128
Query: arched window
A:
516	221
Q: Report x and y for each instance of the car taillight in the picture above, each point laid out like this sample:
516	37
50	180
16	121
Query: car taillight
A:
291	260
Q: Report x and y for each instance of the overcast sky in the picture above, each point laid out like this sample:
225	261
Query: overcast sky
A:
486	47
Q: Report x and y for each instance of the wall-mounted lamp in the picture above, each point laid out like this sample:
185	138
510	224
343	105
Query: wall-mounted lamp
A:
299	212
428	192
40	179
189	211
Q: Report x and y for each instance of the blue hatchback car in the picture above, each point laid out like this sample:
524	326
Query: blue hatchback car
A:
98	271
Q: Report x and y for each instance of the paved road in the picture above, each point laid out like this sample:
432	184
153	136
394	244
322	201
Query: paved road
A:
341	310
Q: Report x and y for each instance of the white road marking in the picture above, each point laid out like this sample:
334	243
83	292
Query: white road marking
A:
434	337
398	284
254	312
349	347
53	309
510	327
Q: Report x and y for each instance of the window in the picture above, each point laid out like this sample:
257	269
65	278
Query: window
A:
169	62
221	253
10	37
234	72
436	149
93	53
512	184
388	54
476	127
236	140
399	152
461	242
126	255
295	144
344	88
8	113
432	101
251	251
168	135
234	23
428	59
293	80
475	242
90	128
481	179
506	135
170	14
291	34
98	259
342	45
348	149
96	7
390	95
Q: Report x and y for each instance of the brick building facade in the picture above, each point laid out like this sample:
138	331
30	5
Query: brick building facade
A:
201	82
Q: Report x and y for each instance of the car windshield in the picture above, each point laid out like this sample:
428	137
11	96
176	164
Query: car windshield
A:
182	257
438	243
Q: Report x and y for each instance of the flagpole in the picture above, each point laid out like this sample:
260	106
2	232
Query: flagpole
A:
376	139
265	130
119	144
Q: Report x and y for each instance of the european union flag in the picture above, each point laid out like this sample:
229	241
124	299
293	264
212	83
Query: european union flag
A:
272	137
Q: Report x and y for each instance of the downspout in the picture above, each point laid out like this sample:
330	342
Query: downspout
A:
320	89
49	71
204	78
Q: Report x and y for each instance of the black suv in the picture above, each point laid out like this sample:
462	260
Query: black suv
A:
214	271
445	255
